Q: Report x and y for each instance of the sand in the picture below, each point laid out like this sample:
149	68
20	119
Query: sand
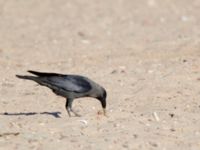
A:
145	53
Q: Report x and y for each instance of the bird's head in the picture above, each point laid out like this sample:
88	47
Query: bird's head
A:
102	99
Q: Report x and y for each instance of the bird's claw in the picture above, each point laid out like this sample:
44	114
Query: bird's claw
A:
77	115
104	112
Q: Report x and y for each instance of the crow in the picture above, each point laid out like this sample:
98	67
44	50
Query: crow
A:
69	86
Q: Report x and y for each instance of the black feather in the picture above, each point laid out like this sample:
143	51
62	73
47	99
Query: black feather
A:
72	83
69	86
42	74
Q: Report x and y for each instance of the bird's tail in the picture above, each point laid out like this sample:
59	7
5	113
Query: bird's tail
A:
27	77
43	74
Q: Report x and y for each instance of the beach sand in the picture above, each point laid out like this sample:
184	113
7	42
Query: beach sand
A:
145	53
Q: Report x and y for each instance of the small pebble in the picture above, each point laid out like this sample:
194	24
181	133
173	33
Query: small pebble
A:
172	130
114	72
135	135
171	115
153	144
84	122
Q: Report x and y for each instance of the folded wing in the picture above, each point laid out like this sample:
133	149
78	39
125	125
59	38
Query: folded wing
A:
69	83
72	83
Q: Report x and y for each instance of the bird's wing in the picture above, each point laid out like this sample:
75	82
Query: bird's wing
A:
71	83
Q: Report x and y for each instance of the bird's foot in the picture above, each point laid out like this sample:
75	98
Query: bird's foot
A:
76	114
68	111
102	113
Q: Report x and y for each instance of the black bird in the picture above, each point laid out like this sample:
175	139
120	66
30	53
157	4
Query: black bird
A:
70	87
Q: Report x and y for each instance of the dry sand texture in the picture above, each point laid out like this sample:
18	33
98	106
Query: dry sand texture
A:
145	53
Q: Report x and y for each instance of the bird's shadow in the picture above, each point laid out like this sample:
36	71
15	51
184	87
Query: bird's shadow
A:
53	114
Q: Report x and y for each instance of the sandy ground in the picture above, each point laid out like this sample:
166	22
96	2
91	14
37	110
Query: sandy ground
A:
145	53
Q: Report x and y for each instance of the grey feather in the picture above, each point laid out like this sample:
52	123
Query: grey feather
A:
69	83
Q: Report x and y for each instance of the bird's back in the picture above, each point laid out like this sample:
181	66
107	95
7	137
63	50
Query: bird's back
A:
72	83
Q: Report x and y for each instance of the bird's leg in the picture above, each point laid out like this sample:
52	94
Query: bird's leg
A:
69	107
